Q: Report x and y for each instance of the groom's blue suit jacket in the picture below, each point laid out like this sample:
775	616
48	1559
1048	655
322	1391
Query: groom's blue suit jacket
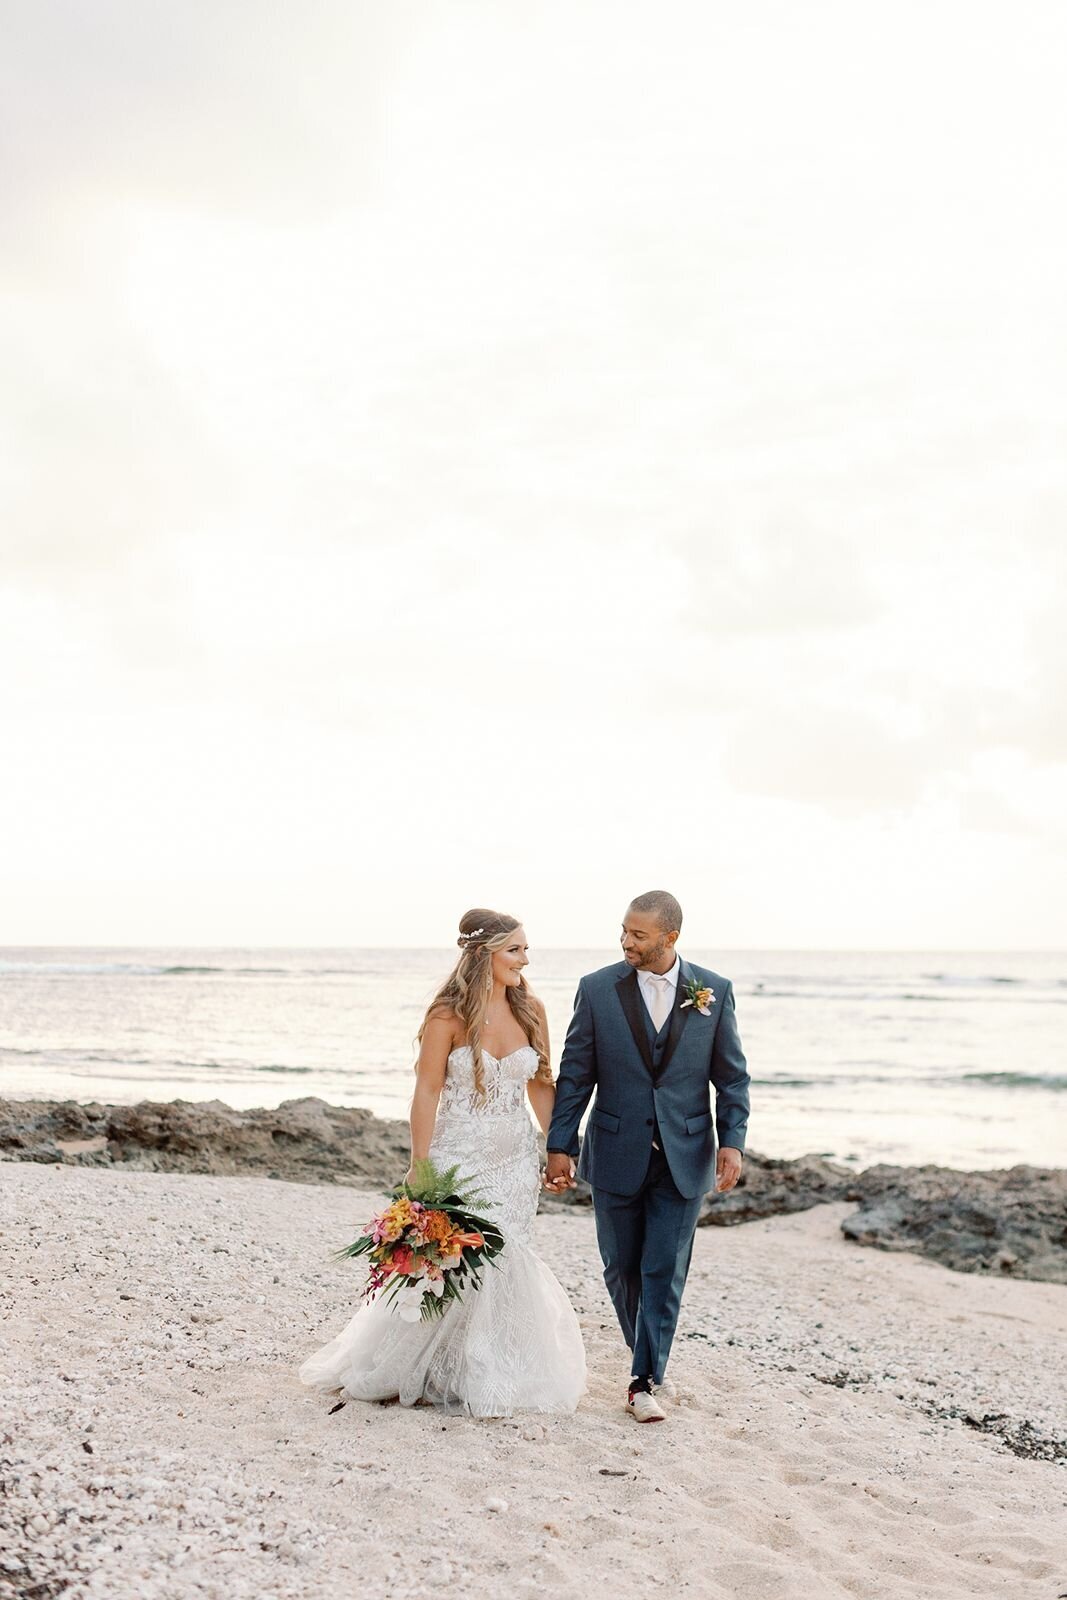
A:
610	1050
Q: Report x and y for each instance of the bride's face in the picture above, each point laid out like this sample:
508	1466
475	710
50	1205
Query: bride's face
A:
509	962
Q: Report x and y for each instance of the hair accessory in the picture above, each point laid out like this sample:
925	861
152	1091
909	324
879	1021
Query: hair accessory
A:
469	938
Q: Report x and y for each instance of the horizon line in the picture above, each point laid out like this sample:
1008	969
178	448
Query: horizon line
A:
593	949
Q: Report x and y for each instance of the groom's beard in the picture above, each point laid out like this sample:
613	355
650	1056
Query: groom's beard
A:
640	962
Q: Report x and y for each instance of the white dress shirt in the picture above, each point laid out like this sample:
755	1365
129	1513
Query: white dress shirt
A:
667	984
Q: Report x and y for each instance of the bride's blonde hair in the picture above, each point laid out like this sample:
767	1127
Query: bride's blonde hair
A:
468	986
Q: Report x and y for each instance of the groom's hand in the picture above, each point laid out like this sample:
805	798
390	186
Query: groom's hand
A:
727	1169
559	1171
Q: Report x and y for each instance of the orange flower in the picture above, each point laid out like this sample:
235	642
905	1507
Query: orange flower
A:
437	1225
474	1240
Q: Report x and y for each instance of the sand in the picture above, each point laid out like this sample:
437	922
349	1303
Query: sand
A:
156	1442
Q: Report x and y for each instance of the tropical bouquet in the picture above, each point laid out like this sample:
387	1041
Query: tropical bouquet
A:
428	1246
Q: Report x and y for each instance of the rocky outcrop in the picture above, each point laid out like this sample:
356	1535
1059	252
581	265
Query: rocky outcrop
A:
1011	1223
303	1141
769	1188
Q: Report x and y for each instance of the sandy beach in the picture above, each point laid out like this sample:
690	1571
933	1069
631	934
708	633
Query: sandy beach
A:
847	1422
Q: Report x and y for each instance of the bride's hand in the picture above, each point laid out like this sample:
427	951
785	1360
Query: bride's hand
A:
409	1176
559	1173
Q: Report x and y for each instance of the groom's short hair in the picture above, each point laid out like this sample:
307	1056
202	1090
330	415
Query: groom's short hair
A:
662	905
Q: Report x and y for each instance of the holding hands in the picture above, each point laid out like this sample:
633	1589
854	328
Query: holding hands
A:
559	1172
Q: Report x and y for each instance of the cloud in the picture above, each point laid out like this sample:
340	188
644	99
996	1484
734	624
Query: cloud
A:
528	443
233	110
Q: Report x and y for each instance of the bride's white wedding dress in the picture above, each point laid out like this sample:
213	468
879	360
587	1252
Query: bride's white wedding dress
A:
512	1345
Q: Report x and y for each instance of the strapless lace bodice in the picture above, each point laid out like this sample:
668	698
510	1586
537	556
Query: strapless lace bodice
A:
505	1080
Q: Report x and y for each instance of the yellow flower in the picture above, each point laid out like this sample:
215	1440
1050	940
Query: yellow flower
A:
400	1212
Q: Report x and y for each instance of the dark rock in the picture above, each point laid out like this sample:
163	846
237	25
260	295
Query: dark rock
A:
770	1188
303	1141
1010	1222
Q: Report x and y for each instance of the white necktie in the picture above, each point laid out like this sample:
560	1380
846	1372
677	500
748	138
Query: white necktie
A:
661	1000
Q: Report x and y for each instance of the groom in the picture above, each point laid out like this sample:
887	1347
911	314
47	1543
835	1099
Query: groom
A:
648	1036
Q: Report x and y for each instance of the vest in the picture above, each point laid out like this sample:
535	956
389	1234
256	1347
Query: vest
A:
658	1042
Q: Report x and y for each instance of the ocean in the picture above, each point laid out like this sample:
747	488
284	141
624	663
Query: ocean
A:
957	1059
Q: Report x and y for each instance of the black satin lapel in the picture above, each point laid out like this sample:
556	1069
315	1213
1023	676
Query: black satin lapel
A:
630	999
679	1017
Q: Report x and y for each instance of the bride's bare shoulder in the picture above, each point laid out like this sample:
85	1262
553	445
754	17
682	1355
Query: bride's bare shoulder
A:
444	1026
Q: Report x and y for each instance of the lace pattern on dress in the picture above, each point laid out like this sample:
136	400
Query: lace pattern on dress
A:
490	1137
505	1083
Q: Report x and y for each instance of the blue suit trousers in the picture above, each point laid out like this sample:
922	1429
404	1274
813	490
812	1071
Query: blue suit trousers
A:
646	1242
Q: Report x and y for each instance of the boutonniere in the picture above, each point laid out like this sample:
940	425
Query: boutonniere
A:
702	999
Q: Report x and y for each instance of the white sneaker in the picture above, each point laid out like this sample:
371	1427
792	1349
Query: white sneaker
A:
643	1408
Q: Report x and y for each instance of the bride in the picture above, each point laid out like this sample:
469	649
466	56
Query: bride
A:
513	1344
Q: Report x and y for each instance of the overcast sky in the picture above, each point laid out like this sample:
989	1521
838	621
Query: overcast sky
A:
528	454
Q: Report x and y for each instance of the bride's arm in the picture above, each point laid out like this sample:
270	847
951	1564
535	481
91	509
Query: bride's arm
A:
542	1095
430	1072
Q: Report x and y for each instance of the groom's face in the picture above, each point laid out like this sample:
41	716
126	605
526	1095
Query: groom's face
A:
646	944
